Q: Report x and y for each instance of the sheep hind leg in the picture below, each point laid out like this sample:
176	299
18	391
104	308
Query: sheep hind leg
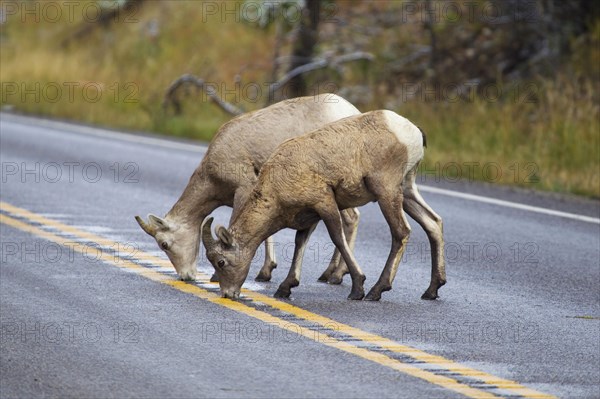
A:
391	207
431	222
270	263
333	264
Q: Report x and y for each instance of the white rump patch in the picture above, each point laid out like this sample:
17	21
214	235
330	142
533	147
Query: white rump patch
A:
337	107
408	134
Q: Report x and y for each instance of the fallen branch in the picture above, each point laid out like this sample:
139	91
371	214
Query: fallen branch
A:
187	79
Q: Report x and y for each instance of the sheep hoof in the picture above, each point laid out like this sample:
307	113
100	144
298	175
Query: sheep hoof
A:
375	292
430	296
265	272
335	280
373	295
263	277
282	293
432	291
356	295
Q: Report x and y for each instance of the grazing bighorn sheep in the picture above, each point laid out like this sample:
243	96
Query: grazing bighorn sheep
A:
228	171
348	163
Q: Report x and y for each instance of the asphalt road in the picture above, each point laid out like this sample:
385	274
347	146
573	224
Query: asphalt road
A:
522	301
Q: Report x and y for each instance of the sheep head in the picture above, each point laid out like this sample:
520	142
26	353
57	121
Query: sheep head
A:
179	241
229	258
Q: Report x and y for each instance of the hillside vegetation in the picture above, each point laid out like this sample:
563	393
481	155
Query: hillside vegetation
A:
494	106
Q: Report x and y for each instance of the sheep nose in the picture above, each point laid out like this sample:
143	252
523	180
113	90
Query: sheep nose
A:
230	295
188	276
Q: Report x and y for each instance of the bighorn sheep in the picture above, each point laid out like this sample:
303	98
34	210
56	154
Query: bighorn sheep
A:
230	168
348	163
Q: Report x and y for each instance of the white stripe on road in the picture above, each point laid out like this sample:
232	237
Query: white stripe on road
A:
102	133
508	204
139	139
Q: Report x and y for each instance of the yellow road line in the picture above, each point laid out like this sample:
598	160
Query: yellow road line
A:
511	387
443	363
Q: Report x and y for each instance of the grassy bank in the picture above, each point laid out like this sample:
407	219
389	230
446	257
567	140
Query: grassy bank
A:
542	133
550	142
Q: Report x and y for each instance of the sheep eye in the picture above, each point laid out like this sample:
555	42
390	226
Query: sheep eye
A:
164	245
221	263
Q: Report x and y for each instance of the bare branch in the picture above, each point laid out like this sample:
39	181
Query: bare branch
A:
333	62
188	79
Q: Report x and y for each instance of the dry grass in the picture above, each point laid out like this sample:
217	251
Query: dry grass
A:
551	143
126	66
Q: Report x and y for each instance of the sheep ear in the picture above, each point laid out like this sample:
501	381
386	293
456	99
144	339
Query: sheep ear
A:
225	236
149	228
158	222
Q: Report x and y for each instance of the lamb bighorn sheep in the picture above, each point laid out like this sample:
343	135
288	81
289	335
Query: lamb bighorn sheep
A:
229	170
348	163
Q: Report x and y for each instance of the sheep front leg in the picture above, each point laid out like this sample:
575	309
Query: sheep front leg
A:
330	214
293	278
270	262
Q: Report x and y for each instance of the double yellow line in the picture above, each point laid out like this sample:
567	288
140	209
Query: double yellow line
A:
433	369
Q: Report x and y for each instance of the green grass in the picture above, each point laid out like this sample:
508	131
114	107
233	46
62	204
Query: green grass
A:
549	141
